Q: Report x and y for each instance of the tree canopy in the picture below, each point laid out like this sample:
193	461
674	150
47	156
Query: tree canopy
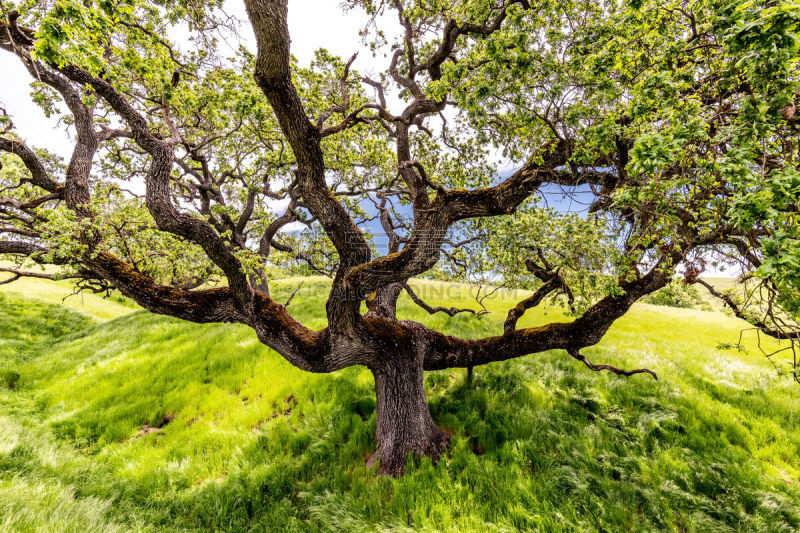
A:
191	159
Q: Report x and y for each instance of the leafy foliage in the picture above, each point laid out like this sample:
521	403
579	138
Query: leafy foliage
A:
696	101
678	294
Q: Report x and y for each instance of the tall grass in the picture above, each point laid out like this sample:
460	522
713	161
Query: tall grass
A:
145	423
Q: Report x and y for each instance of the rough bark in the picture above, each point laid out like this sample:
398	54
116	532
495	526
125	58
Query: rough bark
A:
404	426
273	75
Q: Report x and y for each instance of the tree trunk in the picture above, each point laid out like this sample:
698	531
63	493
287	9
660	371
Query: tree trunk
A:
404	422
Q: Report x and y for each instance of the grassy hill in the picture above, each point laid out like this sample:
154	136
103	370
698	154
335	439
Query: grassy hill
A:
145	423
63	294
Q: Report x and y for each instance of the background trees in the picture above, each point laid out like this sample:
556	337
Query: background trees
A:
675	122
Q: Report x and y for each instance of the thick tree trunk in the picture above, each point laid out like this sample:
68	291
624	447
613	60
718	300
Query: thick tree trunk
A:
404	422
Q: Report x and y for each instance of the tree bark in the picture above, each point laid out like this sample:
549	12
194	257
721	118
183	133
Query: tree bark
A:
404	422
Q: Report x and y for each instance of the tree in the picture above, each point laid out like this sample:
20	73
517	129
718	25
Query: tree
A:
677	119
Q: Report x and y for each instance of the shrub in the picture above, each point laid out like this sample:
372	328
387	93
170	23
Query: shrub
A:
10	378
678	294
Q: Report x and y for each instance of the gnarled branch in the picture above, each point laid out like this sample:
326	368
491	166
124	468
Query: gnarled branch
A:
597	368
740	313
450	311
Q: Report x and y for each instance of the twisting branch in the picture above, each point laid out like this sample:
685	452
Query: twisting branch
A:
577	355
553	282
515	313
586	330
157	181
350	120
381	94
453	30
406	82
424	175
16	274
778	333
39	176
20	35
450	311
341	108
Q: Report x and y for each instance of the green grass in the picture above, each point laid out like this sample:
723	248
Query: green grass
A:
145	423
62	292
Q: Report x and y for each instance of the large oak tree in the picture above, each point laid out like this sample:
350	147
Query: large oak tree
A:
676	120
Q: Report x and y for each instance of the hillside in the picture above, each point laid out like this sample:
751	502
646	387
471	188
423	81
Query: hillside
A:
145	423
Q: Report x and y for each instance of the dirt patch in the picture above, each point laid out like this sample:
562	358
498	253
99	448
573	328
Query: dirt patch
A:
476	447
147	429
277	411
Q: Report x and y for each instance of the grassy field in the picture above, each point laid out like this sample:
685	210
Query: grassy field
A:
145	423
63	293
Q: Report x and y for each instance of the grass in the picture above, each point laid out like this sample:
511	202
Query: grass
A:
145	423
62	293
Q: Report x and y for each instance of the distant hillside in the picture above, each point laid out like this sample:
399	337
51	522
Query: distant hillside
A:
146	423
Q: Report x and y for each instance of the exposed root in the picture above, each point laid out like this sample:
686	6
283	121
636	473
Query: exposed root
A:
391	459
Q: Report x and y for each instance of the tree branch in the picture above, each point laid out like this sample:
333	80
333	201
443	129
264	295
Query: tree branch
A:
450	311
740	313
577	355
39	175
586	330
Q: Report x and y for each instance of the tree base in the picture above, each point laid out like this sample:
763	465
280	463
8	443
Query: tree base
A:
392	459
404	425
